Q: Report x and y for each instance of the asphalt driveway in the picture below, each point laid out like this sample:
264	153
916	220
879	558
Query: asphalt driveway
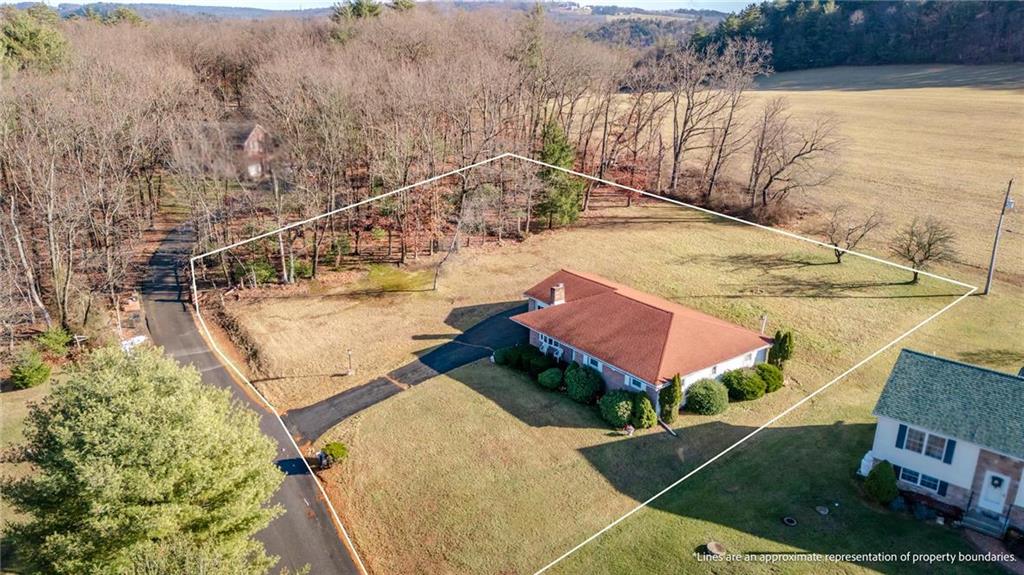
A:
305	533
307	424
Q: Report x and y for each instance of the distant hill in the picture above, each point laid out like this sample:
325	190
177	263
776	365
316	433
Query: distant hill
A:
153	11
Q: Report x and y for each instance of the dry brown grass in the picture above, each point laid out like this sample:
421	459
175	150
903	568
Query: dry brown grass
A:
923	140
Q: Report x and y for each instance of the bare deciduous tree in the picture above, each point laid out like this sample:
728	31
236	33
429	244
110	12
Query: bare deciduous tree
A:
844	230
922	243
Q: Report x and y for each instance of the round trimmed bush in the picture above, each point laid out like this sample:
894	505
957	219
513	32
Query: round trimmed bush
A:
644	415
707	397
583	383
771	375
743	384
616	407
881	483
550	378
30	371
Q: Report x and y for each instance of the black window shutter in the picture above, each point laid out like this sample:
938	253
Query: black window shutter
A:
943	486
896	470
950	448
901	436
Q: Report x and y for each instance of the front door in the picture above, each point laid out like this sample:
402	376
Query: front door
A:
993	492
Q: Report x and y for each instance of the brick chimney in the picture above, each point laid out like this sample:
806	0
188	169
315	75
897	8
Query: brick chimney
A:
557	294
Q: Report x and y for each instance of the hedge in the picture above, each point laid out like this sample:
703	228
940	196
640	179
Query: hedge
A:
616	408
30	371
707	397
771	375
550	378
539	364
507	355
643	412
582	383
743	384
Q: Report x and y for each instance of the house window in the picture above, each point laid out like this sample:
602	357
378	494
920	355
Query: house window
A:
593	362
926	481
546	340
929	482
935	446
714	370
910	476
635	383
915	440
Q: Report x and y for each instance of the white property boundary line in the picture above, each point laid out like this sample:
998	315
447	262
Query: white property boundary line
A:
323	492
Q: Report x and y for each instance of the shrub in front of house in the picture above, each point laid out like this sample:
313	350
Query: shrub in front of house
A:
743	384
616	407
771	375
707	397
29	371
644	415
880	484
54	341
508	356
670	397
539	364
527	353
582	383
550	378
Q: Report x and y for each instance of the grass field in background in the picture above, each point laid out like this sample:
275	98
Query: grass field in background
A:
938	140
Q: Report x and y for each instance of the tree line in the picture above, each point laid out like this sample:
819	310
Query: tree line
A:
100	116
815	33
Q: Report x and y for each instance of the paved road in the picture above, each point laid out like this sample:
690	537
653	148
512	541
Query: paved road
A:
304	534
309	423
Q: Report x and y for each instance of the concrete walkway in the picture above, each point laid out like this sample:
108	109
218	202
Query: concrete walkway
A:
307	424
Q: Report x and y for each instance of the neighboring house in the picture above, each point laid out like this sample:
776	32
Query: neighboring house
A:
954	433
637	341
252	144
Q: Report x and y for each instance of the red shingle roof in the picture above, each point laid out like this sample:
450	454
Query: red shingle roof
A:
645	335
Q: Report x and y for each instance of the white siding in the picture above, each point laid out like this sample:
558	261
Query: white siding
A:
959	472
738	362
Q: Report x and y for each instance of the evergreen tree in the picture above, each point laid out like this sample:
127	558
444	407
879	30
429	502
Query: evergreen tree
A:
30	39
563	194
134	456
669	399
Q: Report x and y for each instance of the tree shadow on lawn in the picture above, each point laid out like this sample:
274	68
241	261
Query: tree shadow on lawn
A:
785	285
780	472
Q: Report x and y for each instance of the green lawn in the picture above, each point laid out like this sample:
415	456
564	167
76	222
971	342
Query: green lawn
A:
482	471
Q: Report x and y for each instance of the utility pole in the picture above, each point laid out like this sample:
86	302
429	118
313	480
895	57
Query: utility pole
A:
1007	205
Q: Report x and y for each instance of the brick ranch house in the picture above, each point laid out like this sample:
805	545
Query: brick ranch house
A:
955	435
636	341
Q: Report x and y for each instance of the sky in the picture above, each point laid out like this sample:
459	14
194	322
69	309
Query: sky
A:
723	5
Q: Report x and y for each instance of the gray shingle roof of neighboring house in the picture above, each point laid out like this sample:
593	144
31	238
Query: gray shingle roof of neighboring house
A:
962	401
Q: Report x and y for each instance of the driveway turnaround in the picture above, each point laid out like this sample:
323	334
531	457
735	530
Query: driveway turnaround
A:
304	534
308	423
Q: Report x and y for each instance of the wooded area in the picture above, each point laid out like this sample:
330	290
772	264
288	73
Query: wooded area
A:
815	33
101	115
